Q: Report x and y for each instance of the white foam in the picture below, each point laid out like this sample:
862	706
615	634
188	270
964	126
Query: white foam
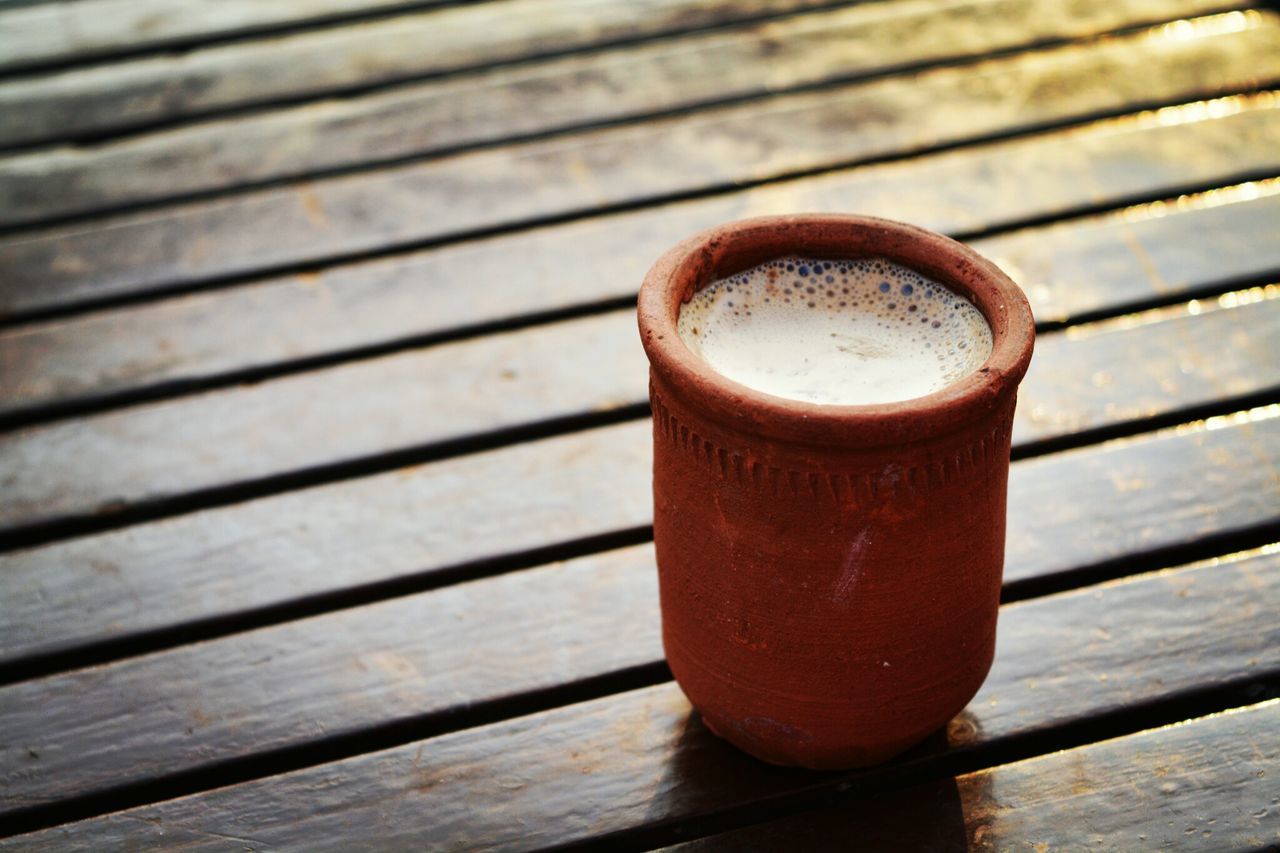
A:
836	332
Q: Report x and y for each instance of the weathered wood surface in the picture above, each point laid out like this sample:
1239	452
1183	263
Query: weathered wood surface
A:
1153	494
424	398
1163	250
171	88
1096	263
519	184
577	91
1151	364
76	31
640	758
306	680
360	409
1207	784
416	521
51	32
399	296
1137	496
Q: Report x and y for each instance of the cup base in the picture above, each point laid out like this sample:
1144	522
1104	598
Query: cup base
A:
854	758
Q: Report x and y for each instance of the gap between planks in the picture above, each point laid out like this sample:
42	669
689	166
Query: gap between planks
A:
1160	701
378	12
389	75
566	205
1174	787
982	106
307	269
1047	418
120	344
1132	471
352	135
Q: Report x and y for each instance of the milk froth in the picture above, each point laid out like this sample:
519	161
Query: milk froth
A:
838	332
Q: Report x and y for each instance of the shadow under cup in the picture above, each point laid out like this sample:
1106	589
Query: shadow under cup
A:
829	575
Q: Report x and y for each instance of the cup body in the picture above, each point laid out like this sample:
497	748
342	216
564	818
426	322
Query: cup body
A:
829	575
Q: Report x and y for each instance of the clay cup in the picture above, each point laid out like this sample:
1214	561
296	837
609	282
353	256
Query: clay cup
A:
829	574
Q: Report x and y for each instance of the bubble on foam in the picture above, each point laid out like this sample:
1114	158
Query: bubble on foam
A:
844	332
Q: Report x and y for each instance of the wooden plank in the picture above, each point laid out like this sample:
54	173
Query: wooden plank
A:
1072	268
438	116
419	399
451	196
172	87
1197	143
1134	367
426	655
359	409
1208	783
1152	494
168	89
1136	496
44	193
300	545
76	31
640	758
1148	252
43	33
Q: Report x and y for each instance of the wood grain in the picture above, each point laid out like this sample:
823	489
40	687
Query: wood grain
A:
58	31
416	521
441	115
1140	496
1208	783
1072	268
293	660
315	419
592	171
310	65
1137	496
425	655
641	758
1134	367
76	31
420	399
1155	251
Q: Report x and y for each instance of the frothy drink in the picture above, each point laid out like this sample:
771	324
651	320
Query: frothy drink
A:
839	332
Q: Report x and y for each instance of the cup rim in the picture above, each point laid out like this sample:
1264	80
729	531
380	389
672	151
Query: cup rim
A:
735	246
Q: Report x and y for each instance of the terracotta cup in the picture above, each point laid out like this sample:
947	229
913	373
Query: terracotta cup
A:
829	575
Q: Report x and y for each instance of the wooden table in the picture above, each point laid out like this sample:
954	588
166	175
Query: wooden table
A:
325	449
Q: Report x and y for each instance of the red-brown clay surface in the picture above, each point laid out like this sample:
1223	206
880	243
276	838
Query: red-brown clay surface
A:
829	575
